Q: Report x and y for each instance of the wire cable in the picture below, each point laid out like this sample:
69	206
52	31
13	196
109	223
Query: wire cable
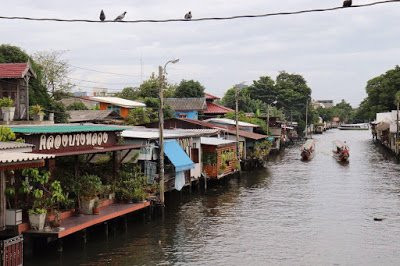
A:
201	19
105	72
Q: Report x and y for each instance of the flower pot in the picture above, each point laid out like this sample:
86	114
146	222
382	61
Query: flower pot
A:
38	117
8	113
37	221
87	206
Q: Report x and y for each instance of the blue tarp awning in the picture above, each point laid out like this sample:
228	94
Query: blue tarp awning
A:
177	156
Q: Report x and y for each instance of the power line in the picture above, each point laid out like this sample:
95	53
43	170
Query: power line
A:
97	82
200	19
105	72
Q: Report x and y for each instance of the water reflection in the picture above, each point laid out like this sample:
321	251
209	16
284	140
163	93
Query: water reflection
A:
293	213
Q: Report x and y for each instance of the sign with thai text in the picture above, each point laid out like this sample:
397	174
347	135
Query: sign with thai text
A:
65	141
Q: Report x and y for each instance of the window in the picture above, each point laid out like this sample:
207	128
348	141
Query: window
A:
195	155
182	115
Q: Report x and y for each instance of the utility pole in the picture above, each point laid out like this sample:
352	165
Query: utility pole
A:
268	119
307	119
397	124
161	131
237	122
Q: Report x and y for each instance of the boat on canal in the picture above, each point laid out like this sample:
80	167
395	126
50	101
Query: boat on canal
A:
362	126
341	151
307	150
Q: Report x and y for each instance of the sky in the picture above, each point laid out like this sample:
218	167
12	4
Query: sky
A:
337	52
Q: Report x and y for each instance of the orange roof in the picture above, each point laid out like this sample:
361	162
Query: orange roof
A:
213	108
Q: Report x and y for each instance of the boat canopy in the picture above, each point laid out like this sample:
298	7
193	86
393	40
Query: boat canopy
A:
309	144
339	144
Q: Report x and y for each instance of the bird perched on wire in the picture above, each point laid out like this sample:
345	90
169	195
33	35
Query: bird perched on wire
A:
188	15
102	15
120	17
347	3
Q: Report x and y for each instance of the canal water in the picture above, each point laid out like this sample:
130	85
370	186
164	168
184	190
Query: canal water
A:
292	213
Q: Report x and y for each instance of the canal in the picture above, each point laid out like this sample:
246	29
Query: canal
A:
292	213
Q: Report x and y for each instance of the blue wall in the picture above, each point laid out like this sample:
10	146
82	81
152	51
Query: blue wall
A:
189	114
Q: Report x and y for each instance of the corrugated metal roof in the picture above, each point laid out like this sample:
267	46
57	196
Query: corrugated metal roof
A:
227	121
215	141
63	128
92	115
118	102
14	145
14	157
186	104
153	133
242	133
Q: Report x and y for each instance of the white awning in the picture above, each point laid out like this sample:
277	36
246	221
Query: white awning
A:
14	157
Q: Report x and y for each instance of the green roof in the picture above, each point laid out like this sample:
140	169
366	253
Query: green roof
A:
63	129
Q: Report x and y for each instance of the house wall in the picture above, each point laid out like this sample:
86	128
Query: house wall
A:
122	111
213	170
16	89
187	114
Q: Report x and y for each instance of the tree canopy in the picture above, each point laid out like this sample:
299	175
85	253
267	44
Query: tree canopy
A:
189	89
381	92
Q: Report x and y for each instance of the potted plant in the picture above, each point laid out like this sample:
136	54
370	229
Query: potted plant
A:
37	218
7	108
96	208
91	186
13	214
37	112
42	193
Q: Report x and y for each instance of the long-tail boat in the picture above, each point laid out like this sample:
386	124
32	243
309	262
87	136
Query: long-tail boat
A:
307	150
341	151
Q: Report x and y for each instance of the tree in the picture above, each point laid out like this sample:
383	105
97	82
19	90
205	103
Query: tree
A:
55	71
77	106
138	116
151	88
381	92
189	89
129	93
264	90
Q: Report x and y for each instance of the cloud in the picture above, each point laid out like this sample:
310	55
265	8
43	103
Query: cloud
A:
337	52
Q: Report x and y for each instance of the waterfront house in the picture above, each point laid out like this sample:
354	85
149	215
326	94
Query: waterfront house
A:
187	107
385	129
119	105
219	157
230	123
214	109
81	152
14	83
247	139
182	149
14	156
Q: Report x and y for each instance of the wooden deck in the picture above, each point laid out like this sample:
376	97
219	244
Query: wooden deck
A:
75	224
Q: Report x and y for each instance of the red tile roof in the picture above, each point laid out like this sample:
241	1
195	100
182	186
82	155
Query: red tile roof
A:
213	108
231	130
14	70
210	96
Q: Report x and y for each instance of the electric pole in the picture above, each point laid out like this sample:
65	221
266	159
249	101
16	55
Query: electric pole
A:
237	122
161	131
307	119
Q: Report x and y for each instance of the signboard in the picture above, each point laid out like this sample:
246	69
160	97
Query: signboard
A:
73	141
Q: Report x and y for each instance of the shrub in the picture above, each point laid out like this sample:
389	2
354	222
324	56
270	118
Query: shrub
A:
6	102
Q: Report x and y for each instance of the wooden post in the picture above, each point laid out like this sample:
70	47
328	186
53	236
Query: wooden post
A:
2	200
268	119
237	123
161	131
